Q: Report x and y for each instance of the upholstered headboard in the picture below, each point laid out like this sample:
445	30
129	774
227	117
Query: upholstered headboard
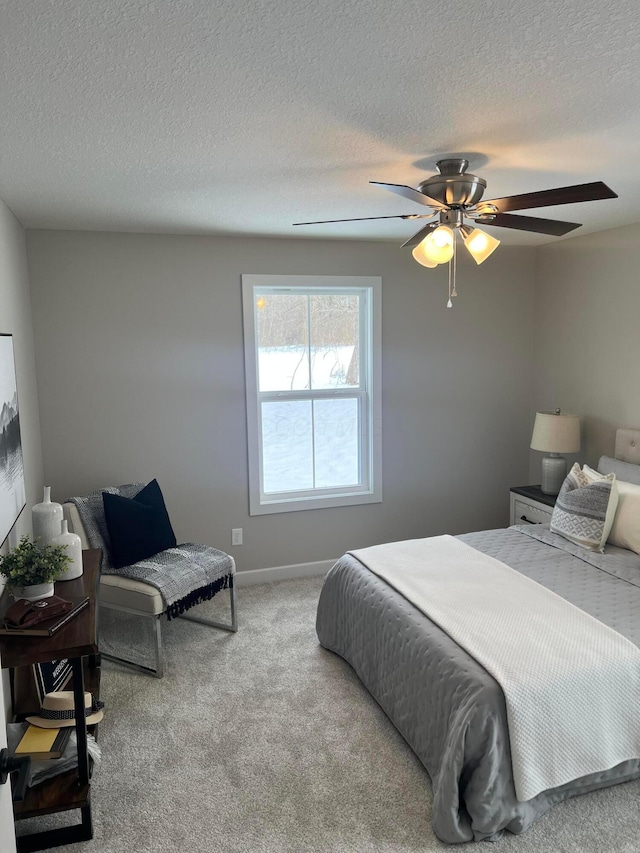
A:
628	445
626	465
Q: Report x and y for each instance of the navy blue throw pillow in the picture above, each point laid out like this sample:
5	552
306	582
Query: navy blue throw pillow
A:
139	527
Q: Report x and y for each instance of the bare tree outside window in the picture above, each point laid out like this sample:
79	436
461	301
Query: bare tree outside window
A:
316	337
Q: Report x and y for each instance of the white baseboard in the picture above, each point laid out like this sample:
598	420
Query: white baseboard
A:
280	573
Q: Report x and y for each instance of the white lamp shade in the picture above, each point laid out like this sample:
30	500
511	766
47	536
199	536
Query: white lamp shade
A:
556	432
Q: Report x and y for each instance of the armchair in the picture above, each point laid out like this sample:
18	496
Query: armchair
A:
169	583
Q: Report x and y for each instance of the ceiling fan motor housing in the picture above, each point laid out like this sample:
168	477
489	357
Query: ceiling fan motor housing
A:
454	186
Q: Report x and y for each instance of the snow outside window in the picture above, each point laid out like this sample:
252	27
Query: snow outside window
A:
312	363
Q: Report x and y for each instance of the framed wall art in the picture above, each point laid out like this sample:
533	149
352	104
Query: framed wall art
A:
12	489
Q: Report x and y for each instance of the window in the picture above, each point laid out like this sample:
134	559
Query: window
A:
312	361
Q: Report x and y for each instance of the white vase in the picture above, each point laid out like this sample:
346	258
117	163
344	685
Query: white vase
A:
34	592
46	518
73	545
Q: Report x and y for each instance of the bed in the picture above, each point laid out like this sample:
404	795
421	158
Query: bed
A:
448	707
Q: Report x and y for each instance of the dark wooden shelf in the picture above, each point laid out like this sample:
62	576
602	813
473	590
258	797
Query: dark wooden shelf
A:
78	638
59	794
76	641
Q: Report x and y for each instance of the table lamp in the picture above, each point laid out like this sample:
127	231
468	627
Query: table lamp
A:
555	433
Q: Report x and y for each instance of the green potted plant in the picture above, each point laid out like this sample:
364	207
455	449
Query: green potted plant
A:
31	568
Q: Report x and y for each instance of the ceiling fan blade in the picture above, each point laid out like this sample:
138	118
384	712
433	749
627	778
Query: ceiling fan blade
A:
411	194
546	198
418	237
365	218
531	223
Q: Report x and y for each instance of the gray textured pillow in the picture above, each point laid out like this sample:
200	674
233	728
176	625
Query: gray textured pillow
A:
626	471
585	508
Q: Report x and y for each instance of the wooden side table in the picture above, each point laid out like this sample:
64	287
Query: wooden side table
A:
77	641
530	505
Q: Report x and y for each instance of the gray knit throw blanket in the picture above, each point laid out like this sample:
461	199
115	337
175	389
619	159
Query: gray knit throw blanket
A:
185	575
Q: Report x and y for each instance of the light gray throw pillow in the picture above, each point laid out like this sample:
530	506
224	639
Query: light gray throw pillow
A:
626	471
585	508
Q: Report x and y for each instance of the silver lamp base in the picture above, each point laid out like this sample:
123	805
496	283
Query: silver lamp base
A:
554	470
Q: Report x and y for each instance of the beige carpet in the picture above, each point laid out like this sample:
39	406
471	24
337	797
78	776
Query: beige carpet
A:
264	741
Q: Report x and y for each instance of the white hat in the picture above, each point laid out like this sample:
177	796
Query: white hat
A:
58	710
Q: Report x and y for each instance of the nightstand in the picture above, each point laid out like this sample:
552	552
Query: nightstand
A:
530	505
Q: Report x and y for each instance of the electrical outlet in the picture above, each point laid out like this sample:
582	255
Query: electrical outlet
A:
236	536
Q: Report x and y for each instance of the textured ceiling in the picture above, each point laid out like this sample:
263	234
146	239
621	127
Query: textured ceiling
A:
232	117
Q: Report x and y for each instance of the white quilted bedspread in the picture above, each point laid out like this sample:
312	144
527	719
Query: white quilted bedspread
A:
571	684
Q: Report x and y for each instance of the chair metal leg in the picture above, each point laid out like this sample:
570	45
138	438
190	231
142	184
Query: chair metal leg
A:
232	626
159	651
158	672
234	617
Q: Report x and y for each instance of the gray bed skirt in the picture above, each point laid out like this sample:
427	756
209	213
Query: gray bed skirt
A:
447	707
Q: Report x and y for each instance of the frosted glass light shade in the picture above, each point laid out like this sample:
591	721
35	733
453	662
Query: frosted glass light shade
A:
480	245
421	258
438	245
556	432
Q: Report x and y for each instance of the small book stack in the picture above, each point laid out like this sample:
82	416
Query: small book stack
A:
42	743
52	751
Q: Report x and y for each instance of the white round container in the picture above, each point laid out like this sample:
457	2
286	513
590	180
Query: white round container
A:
74	550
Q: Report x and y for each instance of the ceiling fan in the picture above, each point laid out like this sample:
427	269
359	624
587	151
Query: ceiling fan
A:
454	195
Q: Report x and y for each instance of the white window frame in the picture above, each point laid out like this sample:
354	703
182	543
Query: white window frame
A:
369	392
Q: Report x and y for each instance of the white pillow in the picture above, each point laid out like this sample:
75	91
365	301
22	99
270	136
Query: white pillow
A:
592	476
625	532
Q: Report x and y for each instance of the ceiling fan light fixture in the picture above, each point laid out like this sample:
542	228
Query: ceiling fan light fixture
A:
479	244
455	194
419	256
438	245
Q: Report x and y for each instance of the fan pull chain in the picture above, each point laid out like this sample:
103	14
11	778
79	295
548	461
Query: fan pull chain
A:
454	292
452	274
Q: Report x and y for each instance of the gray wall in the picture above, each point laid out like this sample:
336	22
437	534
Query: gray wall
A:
140	367
587	342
